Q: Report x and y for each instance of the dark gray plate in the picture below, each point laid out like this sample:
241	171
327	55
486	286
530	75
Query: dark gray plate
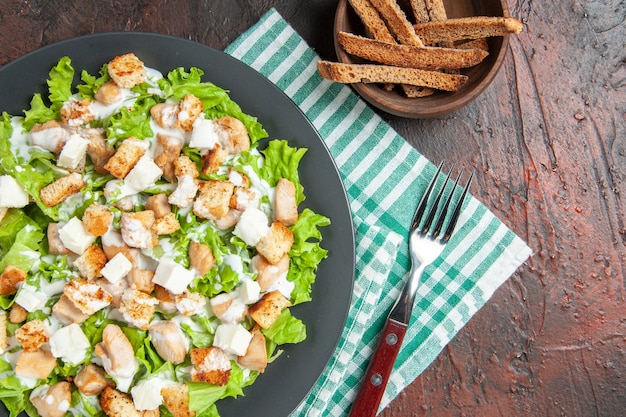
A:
288	380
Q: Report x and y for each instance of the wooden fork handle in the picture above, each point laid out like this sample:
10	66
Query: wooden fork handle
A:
377	374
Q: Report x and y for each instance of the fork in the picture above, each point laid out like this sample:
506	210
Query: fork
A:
426	242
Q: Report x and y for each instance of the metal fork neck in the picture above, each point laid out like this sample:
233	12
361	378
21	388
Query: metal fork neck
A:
401	311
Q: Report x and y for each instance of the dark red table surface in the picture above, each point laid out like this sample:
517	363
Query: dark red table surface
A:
548	142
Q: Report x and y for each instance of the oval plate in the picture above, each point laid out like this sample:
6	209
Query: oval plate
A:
289	379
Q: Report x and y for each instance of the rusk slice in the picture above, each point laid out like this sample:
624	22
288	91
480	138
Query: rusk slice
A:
427	58
372	21
370	73
467	28
397	22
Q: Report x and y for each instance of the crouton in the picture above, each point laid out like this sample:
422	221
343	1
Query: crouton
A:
212	203
98	150
87	296
38	364
236	133
141	280
54	401
168	341
17	314
59	190
210	365
76	113
200	257
126	157
10	279
127	70
242	198
32	335
166	225
67	313
55	244
256	355
213	159
115	403
108	93
4	336
176	399
166	153
97	219
137	308
183	165
137	230
268	274
91	262
285	205
116	353
159	205
50	136
188	110
91	380
274	245
268	309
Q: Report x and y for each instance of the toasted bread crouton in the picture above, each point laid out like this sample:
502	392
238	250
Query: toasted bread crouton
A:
116	352
115	403
189	108
54	401
141	280
10	279
242	198
97	219
38	364
168	341
91	262
166	225
127	70
67	313
17	314
4	336
137	230
126	157
137	308
274	245
213	159
285	205
201	258
213	200
98	150
108	93
210	365
268	274
32	335
159	205
77	112
176	399
59	190
91	380
166	152
238	139
268	309
256	355
183	165
50	136
87	296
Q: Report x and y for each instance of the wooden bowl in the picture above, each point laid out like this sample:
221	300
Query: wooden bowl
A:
440	102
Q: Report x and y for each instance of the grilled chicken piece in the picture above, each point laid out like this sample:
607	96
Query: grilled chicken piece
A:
54	401
116	352
200	257
285	205
256	355
268	274
67	313
91	380
238	139
38	364
168	341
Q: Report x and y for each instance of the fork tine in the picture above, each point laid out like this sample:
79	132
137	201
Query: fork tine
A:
446	206
417	218
435	205
457	211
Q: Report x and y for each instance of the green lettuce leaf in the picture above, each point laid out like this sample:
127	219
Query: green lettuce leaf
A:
60	83
202	398
286	329
92	83
282	161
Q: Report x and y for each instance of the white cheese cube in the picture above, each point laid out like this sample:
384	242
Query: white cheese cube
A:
249	291
232	338
143	175
11	193
205	134
172	276
73	152
252	226
30	299
117	268
69	343
75	236
147	393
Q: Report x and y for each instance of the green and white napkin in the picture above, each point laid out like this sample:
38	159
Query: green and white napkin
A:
384	177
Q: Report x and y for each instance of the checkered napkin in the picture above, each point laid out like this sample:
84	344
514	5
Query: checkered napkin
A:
384	177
